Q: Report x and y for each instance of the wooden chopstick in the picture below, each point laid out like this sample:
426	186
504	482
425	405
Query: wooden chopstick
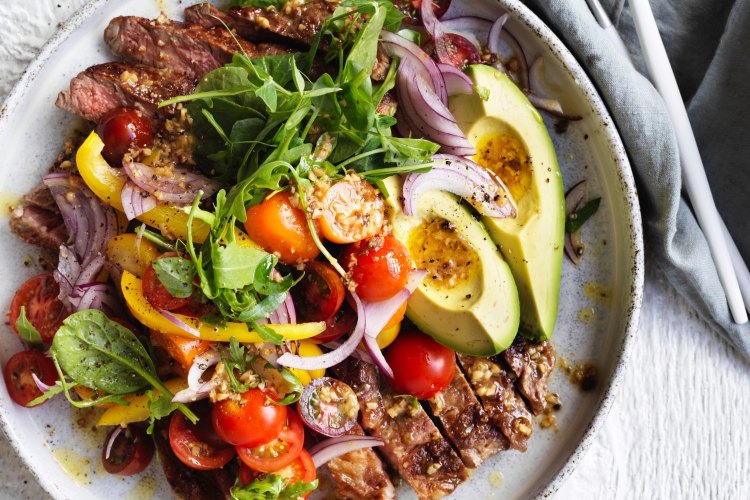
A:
693	172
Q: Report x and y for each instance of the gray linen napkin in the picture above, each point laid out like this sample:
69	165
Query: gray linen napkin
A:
708	42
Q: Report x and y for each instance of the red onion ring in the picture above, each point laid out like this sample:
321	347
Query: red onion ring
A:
327	450
136	201
500	33
474	29
334	357
181	187
198	389
358	353
456	81
377	356
43	388
96	295
395	45
179	323
111	441
462	177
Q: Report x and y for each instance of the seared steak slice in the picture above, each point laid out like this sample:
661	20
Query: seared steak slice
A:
187	483
360	474
465	422
494	387
103	87
38	226
532	364
293	22
413	445
208	16
388	104
189	49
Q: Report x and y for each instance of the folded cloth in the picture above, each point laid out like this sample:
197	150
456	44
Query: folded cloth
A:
707	42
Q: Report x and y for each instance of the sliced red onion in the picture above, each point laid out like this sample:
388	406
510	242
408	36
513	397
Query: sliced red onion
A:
111	441
465	178
136	201
358	353
334	357
197	388
574	199
498	35
456	81
96	295
327	450
179	323
551	105
445	48
181	186
395	45
474	29
44	388
377	356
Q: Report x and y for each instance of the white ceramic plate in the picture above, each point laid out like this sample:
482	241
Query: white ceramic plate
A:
63	452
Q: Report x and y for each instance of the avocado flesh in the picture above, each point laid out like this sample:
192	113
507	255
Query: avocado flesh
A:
532	243
478	315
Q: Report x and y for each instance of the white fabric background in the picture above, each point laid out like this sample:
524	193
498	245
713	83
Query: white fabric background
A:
678	428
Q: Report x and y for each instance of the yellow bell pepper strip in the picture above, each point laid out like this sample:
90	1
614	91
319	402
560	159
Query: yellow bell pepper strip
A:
387	335
308	349
137	409
107	182
132	291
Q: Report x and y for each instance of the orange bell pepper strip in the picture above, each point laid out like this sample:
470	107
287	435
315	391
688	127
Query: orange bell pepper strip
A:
182	349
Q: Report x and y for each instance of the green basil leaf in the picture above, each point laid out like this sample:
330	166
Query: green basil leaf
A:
271	487
26	330
176	274
102	354
298	489
234	266
577	219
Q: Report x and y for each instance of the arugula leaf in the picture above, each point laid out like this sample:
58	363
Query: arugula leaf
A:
26	330
294	388
234	266
577	219
159	406
236	359
176	274
272	487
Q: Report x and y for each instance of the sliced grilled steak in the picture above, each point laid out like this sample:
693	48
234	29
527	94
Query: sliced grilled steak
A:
297	23
388	104
494	387
208	16
413	445
361	474
532	364
103	87
189	49
187	483
465	422
38	226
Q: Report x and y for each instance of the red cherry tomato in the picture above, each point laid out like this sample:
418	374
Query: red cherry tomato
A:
251	421
456	50
319	294
122	128
421	366
338	325
129	453
279	227
197	445
157	294
302	469
18	375
278	453
410	8
43	309
379	267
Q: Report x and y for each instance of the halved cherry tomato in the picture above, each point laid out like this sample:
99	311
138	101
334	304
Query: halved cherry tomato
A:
319	294
279	227
302	469
328	406
410	8
456	50
421	366
278	453
129	453
379	267
157	294
18	375
353	210
251	421
338	325
122	128
197	445
43	309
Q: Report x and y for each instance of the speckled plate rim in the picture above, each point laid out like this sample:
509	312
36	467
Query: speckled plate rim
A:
633	217
625	177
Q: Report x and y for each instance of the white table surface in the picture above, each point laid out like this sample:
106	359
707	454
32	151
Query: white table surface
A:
678	428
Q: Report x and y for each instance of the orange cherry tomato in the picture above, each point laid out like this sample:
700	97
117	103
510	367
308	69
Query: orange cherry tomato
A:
353	210
278	453
279	227
250	421
379	267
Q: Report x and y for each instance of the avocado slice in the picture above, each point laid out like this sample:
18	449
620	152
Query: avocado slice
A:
512	140
468	301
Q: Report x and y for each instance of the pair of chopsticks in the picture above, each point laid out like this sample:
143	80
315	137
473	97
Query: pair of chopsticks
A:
733	272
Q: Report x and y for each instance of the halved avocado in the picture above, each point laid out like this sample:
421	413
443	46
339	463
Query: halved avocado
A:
468	301
512	140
